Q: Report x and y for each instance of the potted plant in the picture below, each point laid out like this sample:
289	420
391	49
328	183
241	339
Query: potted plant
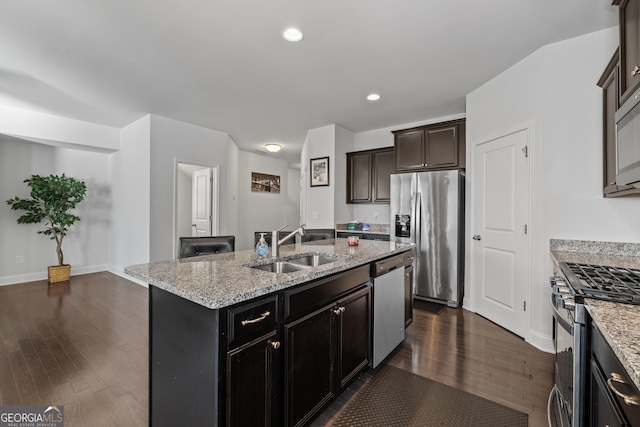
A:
52	197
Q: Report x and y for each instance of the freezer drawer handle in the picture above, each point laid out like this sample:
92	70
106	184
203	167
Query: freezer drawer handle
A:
628	398
477	237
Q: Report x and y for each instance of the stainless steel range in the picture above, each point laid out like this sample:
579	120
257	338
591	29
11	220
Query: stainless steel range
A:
570	286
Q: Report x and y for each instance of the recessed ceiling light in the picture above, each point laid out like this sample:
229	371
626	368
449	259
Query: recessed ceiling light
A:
292	34
373	97
273	148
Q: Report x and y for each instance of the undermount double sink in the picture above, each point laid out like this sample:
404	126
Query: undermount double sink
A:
298	263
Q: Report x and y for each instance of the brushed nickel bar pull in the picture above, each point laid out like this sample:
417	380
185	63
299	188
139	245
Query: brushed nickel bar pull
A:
256	320
628	399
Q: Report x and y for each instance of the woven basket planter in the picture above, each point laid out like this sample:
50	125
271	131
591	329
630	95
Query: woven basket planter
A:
59	273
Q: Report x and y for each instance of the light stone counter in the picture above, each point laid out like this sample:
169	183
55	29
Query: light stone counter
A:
620	326
619	323
221	280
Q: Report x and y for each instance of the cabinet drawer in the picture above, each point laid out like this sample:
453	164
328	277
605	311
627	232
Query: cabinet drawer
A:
616	377
306	298
251	320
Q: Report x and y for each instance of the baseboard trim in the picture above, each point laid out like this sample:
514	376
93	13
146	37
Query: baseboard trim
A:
541	341
33	277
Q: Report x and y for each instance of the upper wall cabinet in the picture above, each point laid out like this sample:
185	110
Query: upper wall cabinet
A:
609	84
629	48
431	147
368	175
619	80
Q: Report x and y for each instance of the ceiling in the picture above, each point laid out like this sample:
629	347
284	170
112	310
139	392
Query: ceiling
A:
223	64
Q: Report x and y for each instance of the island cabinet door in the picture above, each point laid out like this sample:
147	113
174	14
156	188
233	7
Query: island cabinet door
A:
310	344
253	383
354	335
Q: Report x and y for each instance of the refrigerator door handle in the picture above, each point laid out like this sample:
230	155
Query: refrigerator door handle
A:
417	226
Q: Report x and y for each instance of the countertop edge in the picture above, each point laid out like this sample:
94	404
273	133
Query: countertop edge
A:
284	280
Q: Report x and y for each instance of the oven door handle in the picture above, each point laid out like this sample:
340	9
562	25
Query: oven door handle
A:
561	321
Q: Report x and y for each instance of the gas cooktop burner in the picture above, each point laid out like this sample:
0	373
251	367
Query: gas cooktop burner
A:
605	283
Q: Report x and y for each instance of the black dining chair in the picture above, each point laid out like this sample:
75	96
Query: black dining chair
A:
193	246
311	234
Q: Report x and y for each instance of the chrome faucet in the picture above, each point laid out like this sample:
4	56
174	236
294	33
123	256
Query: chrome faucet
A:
275	243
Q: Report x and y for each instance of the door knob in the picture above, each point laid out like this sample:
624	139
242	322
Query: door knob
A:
477	237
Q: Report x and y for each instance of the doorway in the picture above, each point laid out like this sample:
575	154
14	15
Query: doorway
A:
500	283
196	202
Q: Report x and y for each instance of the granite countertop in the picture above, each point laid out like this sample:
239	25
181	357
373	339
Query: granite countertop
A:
619	323
221	280
620	326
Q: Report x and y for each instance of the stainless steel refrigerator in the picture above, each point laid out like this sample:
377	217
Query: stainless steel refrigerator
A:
427	208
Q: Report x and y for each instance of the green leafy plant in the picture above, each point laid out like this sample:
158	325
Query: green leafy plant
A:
52	197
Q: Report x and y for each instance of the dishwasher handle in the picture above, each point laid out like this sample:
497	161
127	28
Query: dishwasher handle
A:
386	265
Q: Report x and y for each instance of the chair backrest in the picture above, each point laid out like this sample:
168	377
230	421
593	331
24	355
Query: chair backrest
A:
311	234
192	246
267	237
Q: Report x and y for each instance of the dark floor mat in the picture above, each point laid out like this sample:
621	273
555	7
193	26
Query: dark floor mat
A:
428	306
394	397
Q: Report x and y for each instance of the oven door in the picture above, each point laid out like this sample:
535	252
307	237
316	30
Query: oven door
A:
561	401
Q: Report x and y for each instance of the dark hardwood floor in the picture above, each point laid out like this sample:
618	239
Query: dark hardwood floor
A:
84	345
81	344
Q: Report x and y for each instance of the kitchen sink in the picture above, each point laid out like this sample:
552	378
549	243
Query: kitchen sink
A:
313	260
280	267
299	263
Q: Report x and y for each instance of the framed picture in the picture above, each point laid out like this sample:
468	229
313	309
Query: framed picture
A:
319	171
265	183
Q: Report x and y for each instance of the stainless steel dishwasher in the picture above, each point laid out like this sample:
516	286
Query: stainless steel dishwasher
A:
388	306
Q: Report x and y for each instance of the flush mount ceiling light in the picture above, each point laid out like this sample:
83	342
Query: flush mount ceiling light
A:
373	97
273	148
293	35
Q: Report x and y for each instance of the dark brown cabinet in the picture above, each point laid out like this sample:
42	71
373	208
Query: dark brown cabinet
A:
613	396
610	103
253	374
253	381
309	379
354	335
432	147
368	175
327	342
629	48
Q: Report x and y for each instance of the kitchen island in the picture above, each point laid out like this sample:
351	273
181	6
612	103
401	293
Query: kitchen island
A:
233	344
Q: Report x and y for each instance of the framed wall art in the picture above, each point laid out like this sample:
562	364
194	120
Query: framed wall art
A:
319	172
265	183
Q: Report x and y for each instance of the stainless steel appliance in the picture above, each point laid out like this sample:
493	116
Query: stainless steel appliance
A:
628	142
427	209
570	286
388	306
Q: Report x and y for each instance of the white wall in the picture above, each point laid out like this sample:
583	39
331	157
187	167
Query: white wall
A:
564	108
173	140
130	177
320	201
86	245
231	204
380	138
58	131
262	211
342	211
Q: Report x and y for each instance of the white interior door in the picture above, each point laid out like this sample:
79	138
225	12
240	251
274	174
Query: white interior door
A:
201	209
500	245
